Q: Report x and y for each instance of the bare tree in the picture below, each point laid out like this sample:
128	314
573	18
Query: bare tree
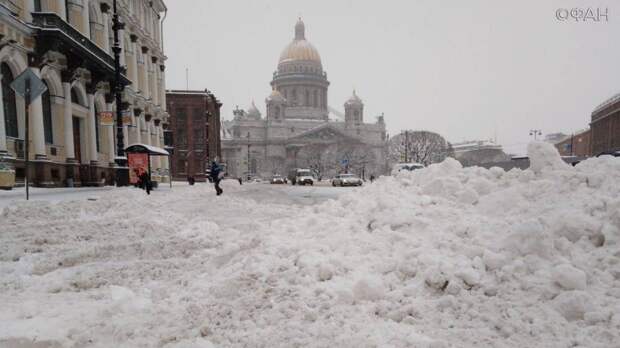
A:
418	146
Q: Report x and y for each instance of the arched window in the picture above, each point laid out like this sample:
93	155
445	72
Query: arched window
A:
8	100
48	125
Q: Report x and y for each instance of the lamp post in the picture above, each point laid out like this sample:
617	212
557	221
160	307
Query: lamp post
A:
535	133
248	136
122	172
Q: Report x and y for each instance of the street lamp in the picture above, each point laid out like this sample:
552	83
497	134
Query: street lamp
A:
122	172
535	133
248	136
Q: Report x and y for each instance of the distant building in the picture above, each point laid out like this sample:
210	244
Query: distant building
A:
605	126
577	144
555	137
297	130
195	129
477	152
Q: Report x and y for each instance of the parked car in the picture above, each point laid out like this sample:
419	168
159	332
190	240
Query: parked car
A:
278	179
346	180
301	177
406	167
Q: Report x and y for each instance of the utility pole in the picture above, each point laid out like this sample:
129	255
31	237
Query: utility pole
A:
122	172
535	133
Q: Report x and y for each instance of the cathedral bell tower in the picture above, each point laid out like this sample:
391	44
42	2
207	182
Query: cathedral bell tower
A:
276	105
353	111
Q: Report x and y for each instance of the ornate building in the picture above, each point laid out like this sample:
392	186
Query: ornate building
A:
297	130
68	43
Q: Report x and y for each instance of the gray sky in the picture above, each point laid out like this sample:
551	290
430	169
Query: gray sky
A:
466	69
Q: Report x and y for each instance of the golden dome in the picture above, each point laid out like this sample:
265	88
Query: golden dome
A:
300	49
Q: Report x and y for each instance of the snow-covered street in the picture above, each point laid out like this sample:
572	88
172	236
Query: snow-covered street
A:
440	257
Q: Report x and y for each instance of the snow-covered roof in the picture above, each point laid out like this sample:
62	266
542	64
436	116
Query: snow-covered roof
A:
606	103
153	150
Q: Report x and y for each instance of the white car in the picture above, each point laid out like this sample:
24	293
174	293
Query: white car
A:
346	180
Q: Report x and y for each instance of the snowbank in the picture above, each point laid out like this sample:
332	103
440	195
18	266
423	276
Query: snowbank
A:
440	257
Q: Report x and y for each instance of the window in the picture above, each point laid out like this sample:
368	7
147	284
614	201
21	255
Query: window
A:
37	5
8	99
181	165
47	116
181	137
199	135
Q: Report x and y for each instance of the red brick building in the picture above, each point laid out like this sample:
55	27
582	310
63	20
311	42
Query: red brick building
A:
578	144
605	126
193	132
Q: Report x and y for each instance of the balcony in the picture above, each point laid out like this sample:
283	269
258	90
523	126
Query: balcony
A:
53	33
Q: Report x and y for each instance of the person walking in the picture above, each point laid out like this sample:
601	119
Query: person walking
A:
217	175
145	181
372	178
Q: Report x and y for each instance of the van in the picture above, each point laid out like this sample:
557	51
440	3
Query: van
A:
301	176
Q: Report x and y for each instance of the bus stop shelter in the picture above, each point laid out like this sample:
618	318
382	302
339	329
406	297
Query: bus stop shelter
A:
139	157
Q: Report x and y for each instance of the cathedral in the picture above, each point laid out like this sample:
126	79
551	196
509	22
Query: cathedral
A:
300	129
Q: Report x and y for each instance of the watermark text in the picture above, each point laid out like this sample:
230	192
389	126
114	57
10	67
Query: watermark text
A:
587	14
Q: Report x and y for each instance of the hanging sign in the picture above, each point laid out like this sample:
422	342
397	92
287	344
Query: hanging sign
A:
106	118
127	118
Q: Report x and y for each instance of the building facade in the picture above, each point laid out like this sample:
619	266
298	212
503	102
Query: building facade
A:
478	152
297	130
578	144
195	127
605	126
68	44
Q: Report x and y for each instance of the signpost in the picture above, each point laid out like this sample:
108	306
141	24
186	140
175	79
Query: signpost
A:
30	87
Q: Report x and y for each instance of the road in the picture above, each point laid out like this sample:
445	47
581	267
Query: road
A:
262	192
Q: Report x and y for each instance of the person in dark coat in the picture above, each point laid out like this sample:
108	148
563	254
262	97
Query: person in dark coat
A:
145	182
216	171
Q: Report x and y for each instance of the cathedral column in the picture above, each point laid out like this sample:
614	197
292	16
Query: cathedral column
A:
68	123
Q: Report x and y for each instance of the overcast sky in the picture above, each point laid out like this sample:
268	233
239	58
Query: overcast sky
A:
465	69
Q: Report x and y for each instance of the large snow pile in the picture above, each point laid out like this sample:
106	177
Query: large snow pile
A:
441	257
